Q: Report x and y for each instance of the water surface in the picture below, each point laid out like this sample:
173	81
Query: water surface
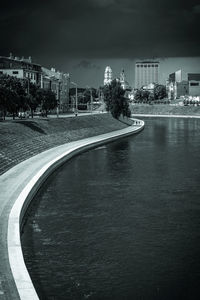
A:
121	221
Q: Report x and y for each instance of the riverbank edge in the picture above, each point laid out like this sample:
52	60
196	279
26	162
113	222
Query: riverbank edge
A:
27	188
166	116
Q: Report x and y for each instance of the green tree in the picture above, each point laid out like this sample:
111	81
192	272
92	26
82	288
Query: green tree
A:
160	91
137	95
142	95
145	95
13	95
47	99
115	101
4	92
87	96
32	99
107	94
151	97
12	106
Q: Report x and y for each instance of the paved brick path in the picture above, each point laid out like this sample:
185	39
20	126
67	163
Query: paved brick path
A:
17	151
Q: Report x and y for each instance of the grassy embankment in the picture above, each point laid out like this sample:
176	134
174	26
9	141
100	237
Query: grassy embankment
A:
21	139
165	109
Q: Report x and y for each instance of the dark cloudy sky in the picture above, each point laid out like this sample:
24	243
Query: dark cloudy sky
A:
83	36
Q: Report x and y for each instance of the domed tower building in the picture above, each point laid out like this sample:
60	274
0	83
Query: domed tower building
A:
123	80
107	76
124	83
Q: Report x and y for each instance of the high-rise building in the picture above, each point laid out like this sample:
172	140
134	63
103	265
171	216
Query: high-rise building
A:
177	85
107	75
146	72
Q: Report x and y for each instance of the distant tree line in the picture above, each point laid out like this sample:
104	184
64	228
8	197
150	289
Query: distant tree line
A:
21	95
158	93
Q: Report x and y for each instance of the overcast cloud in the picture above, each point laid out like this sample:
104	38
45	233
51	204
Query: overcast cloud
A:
55	32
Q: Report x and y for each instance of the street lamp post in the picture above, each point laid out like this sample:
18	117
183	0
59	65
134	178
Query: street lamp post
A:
76	104
28	88
91	98
58	100
101	99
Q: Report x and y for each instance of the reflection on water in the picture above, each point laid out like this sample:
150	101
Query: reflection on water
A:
121	221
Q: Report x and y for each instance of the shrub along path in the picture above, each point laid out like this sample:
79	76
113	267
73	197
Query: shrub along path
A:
21	139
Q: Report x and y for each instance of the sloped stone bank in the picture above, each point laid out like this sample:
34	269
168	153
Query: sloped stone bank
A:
22	139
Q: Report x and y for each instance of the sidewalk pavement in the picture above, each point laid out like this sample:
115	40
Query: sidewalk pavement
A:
64	115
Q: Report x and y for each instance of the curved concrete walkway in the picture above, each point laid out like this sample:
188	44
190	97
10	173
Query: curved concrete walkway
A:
17	188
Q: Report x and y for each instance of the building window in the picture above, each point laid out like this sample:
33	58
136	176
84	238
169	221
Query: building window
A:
194	83
15	72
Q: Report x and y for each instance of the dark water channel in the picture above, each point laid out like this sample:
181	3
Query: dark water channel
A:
121	221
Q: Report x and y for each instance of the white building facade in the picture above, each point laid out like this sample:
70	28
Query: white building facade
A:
21	68
194	84
146	72
107	75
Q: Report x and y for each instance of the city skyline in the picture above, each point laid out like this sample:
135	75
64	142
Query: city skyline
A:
92	70
83	37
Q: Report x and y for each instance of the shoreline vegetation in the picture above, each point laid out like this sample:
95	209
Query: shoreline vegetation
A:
22	139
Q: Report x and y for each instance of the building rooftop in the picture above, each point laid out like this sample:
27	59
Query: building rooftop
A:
147	62
18	59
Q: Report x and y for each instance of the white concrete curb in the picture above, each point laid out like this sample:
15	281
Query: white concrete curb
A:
21	276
